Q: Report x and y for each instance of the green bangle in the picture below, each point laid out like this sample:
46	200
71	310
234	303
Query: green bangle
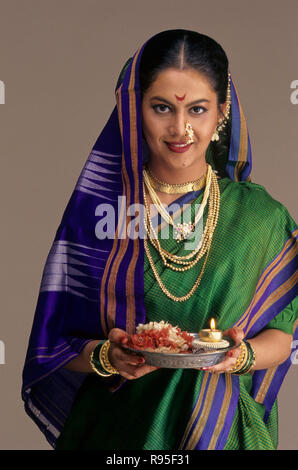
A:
250	362
95	362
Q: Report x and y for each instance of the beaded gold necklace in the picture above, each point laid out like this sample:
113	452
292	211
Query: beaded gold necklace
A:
202	248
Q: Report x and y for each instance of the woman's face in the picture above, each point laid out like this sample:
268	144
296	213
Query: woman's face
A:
177	96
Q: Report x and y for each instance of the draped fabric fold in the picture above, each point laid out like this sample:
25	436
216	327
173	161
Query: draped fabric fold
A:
92	283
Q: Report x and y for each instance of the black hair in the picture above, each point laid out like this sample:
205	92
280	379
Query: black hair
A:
182	49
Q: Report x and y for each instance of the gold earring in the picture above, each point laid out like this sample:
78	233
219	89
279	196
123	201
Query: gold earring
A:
223	121
215	136
189	133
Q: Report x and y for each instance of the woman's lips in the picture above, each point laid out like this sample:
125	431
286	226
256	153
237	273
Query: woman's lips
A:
178	147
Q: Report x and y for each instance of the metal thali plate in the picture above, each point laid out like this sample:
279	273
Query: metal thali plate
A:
202	358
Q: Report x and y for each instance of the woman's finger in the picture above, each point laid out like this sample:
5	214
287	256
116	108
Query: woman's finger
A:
119	354
116	335
235	333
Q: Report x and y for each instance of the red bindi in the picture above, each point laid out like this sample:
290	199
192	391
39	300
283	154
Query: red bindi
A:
180	98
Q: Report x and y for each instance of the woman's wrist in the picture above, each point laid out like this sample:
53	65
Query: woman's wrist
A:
246	360
95	361
99	360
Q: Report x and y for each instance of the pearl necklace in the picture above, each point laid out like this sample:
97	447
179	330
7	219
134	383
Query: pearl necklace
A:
214	205
181	231
201	248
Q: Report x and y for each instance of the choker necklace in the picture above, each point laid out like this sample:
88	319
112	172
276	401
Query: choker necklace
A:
181	188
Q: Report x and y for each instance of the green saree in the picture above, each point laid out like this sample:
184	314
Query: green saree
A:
153	412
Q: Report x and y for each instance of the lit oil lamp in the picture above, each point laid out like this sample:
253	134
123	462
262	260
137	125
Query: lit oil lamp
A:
211	335
209	339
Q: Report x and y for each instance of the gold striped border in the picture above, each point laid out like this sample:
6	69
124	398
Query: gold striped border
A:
277	294
243	143
268	377
114	248
123	243
111	286
275	267
223	412
130	277
195	411
201	423
260	396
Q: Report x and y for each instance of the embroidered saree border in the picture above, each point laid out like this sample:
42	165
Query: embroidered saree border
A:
239	161
216	401
271	276
268	380
125	251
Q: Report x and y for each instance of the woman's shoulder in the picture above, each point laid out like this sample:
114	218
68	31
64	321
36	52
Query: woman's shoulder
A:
250	192
255	199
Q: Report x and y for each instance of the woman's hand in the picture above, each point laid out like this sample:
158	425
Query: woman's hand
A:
231	356
129	365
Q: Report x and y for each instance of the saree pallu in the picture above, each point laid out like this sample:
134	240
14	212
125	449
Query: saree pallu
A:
189	409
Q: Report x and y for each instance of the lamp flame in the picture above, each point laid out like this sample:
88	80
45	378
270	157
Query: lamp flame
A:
212	324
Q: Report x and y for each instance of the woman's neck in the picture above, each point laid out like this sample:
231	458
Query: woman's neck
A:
172	175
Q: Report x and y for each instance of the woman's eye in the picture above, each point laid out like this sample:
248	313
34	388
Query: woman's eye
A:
161	108
198	109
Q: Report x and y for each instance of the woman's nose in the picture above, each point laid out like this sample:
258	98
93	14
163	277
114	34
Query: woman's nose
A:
177	126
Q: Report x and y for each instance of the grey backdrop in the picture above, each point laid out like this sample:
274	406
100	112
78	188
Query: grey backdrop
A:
59	61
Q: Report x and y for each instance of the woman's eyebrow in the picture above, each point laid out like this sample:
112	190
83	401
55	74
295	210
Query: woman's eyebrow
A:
159	98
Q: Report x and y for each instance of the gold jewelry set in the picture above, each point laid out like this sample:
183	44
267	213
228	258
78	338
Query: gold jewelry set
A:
203	247
182	231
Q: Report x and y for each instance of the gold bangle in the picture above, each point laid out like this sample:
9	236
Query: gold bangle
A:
241	359
94	368
104	359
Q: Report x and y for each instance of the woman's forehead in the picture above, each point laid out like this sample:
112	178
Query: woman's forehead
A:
180	83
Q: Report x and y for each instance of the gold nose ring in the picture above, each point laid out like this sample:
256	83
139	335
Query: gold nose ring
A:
189	133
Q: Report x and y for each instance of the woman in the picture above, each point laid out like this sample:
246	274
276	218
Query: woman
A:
179	113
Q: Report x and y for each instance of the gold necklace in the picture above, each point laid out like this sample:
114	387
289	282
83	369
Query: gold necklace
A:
162	286
200	250
182	231
181	188
208	245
